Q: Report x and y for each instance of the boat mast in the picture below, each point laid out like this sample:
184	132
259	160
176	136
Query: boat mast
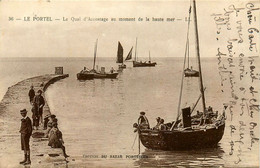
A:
198	56
95	54
135	48
149	56
188	54
188	41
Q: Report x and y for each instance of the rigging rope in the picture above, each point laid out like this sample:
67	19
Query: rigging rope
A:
187	42
185	55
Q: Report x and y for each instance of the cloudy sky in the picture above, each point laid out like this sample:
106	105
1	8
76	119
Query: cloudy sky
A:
59	38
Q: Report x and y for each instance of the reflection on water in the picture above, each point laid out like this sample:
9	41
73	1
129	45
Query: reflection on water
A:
200	157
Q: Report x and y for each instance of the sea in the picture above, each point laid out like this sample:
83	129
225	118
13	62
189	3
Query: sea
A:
96	116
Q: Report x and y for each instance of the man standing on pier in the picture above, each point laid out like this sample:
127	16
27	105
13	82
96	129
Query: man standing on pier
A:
26	132
31	94
38	103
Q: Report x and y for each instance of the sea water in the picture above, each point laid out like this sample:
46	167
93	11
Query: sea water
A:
96	116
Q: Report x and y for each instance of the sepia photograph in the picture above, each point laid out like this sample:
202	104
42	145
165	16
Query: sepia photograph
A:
132	83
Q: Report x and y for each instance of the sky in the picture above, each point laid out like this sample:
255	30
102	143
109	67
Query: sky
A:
59	38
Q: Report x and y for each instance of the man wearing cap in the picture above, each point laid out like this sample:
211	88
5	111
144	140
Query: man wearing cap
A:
38	103
26	132
143	121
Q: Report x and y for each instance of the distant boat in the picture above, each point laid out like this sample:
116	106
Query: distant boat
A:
140	63
120	59
191	73
93	73
205	129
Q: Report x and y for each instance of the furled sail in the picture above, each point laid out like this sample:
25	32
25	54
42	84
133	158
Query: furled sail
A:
129	56
119	53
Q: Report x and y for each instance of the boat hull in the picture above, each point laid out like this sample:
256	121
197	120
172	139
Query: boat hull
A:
106	75
191	73
143	64
177	140
85	76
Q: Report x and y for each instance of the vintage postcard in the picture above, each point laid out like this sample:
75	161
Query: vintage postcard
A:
129	83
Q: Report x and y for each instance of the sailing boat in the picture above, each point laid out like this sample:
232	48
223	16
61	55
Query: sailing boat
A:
189	72
93	73
140	63
120	59
205	129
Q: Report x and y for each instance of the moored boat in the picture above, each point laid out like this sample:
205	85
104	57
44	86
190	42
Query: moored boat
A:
137	63
191	73
202	130
93	73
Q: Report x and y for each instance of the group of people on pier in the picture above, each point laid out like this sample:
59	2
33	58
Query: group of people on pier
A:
53	133
50	125
37	102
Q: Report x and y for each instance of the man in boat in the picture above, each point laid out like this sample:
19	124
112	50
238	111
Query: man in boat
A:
143	121
31	94
112	70
158	124
84	70
26	132
55	139
162	127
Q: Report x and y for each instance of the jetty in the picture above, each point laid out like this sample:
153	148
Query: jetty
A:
15	99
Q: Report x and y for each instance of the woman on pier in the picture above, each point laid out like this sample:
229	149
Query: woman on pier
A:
55	139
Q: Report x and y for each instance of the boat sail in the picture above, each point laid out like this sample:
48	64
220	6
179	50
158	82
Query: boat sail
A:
205	129
140	63
189	71
129	55
120	53
86	74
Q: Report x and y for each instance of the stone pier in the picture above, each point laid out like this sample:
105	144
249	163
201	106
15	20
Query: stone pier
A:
15	99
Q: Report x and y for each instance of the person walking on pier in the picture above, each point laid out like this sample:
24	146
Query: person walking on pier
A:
26	132
38	103
31	94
